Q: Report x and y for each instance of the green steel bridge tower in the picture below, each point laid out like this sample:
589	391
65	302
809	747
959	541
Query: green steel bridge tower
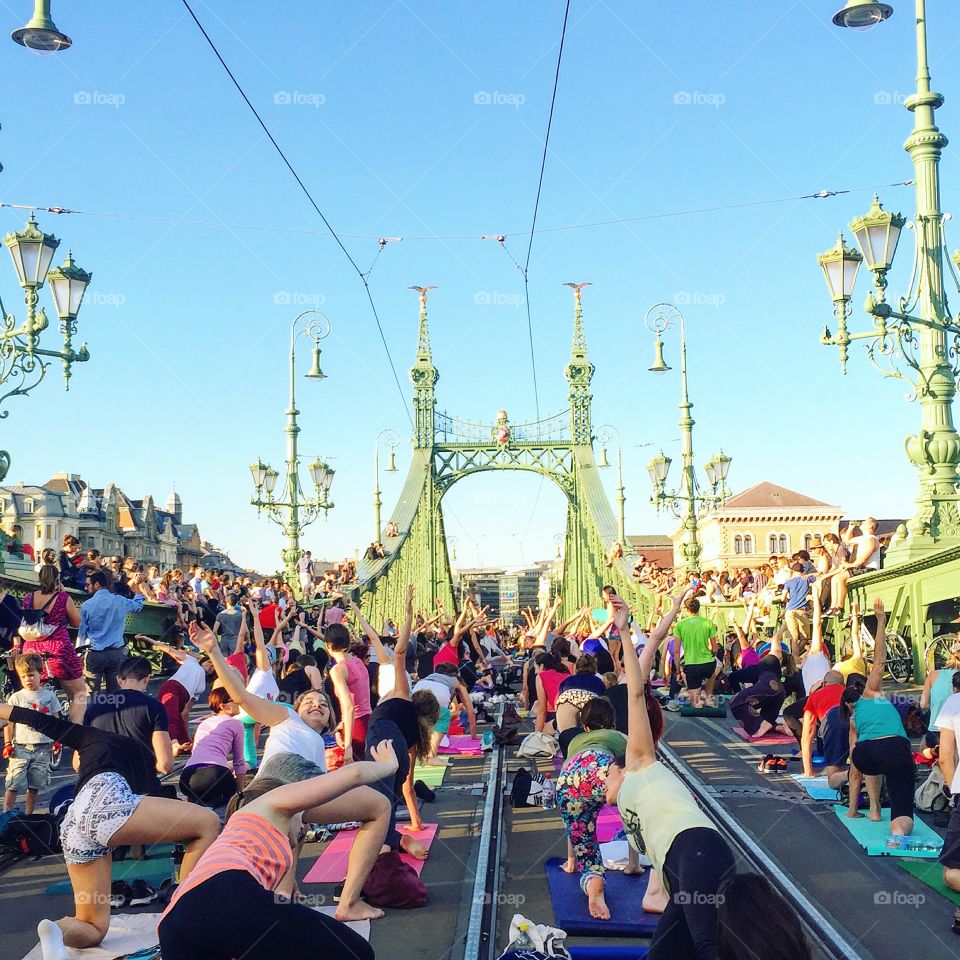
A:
447	449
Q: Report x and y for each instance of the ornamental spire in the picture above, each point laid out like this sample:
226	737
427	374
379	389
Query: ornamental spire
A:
424	376
423	341
579	373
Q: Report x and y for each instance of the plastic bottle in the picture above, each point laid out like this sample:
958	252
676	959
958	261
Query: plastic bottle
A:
549	793
177	858
522	940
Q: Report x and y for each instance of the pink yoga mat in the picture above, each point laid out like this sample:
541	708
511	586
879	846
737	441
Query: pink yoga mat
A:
331	865
609	823
770	738
464	745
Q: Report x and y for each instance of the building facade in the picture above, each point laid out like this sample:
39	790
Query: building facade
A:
764	521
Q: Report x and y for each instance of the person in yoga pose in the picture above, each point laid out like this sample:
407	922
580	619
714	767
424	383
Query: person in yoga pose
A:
879	746
229	907
296	751
660	815
757	707
110	810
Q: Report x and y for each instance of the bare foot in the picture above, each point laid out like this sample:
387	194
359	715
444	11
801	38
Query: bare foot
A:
633	871
656	902
595	901
854	814
436	762
570	866
359	910
875	817
413	846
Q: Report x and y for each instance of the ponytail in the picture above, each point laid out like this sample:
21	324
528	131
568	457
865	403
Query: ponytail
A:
428	713
654	713
850	696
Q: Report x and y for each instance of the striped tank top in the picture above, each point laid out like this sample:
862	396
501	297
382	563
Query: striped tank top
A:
248	843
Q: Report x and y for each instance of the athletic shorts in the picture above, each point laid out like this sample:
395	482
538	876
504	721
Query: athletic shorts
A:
835	735
443	721
578	698
29	767
102	807
698	674
950	855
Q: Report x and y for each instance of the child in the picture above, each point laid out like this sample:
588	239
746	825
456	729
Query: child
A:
28	751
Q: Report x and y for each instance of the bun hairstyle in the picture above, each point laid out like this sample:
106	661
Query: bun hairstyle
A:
850	696
546	661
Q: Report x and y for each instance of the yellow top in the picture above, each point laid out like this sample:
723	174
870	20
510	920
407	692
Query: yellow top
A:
852	665
656	808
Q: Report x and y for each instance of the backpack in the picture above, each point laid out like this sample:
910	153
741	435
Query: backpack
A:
33	624
929	796
538	746
392	883
34	836
527	789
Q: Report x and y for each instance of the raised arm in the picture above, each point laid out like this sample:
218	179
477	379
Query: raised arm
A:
875	680
181	656
261	659
855	631
641	750
816	640
370	633
401	682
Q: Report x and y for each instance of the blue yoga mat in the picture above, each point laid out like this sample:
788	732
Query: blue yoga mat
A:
608	953
816	787
872	835
624	896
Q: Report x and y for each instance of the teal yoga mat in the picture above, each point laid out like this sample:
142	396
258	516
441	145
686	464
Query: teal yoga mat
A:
155	868
872	836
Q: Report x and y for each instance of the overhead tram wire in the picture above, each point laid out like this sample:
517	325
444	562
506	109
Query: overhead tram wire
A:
501	238
536	206
363	276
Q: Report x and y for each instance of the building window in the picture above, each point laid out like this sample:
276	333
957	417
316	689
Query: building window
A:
748	543
39	531
772	543
784	543
807	540
49	532
738	544
28	505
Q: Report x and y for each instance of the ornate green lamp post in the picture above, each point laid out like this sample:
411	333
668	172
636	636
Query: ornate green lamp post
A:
916	339
294	511
390	438
22	361
688	504
40	33
606	435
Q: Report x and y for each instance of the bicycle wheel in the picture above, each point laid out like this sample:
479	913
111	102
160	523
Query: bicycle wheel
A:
899	662
942	648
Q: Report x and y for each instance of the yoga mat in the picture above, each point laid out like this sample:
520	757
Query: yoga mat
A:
128	933
872	835
770	738
623	895
616	854
930	875
431	776
463	745
361	927
607	953
688	711
816	787
609	823
153	869
331	865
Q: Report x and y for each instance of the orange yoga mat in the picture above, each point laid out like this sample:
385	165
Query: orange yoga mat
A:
331	865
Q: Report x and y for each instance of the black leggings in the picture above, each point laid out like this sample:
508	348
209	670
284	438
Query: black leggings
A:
391	788
210	785
231	915
892	758
699	861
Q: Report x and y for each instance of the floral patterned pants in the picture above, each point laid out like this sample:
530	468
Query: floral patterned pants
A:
581	795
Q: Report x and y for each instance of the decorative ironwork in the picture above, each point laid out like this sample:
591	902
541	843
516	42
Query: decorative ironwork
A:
453	430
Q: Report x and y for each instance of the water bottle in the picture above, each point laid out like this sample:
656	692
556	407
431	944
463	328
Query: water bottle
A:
177	859
522	940
549	793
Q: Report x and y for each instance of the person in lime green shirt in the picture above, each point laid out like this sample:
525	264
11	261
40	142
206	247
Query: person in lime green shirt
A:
699	638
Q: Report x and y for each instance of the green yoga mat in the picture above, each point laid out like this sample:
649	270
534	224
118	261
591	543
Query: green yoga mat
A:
872	835
155	868
431	776
930	875
688	711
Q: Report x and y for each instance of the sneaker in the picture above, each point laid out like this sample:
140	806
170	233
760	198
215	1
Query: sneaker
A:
120	894
673	706
767	764
141	893
486	743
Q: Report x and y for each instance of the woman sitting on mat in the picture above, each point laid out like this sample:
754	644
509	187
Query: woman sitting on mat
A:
879	746
757	707
216	769
110	810
660	815
296	751
406	722
229	907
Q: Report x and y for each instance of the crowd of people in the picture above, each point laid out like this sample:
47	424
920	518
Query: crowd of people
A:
308	715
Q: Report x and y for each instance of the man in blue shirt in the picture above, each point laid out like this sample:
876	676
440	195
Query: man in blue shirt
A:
796	594
102	619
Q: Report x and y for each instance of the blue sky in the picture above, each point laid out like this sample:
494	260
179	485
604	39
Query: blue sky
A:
426	119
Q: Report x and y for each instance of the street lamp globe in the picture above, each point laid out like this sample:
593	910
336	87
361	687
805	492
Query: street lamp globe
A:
391	466
322	476
877	234
862	14
659	365
258	471
270	480
40	34
315	373
723	465
840	265
31	250
658	468
710	468
68	284
603	462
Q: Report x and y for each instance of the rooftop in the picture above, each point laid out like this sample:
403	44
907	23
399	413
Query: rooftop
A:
765	495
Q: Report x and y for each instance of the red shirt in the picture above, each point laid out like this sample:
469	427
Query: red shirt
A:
822	701
551	680
268	617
